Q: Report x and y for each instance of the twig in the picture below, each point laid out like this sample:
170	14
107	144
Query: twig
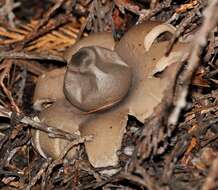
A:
48	14
60	20
27	55
61	157
39	30
147	14
32	66
210	21
6	65
182	27
38	175
84	24
140	181
52	132
21	79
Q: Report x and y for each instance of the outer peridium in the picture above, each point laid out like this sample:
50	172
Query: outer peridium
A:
49	86
61	115
146	93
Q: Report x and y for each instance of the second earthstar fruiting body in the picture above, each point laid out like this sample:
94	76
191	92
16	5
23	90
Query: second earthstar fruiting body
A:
141	93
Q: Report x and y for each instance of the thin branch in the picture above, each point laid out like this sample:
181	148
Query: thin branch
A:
210	21
27	55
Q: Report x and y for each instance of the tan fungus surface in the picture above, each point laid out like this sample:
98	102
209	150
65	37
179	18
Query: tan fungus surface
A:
101	39
49	87
145	94
147	91
107	129
61	115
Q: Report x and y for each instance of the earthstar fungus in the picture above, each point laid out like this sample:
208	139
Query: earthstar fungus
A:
100	77
103	83
61	115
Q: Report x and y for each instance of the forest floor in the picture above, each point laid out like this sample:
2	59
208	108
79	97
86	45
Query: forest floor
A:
178	154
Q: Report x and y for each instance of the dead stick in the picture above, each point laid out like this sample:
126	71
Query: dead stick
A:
210	21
